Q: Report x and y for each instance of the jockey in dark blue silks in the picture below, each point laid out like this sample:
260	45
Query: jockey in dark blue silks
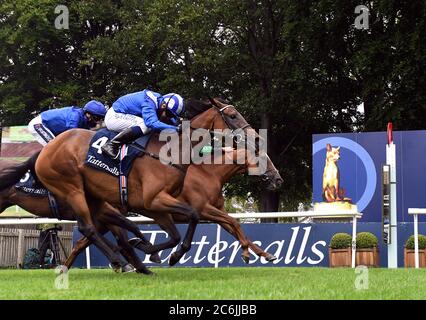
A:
49	124
138	113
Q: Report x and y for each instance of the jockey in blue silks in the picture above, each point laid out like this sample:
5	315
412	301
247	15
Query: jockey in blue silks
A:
138	113
50	123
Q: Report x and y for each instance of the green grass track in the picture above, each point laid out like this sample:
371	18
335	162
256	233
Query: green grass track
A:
222	283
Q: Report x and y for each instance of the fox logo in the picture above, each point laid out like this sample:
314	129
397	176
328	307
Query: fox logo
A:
331	190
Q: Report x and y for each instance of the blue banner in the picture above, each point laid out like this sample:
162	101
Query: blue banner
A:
294	245
359	170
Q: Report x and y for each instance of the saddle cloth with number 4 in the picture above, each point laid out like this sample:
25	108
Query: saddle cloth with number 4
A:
116	167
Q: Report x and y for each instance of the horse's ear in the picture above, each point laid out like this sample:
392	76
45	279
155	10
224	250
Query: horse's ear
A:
213	101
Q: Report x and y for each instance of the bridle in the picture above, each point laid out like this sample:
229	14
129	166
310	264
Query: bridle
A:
237	137
241	139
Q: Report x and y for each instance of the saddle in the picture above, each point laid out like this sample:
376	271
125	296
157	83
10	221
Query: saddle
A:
116	167
31	186
119	167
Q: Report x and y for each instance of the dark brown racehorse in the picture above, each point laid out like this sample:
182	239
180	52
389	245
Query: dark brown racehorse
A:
203	190
207	198
203	183
39	205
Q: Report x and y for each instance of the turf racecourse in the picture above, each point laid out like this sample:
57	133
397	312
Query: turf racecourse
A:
209	283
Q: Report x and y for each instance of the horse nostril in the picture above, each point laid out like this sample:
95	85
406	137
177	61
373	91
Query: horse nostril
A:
279	182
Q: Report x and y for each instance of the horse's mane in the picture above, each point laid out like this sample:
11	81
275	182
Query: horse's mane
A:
194	107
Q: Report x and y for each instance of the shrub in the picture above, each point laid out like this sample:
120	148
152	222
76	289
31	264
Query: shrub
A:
365	240
410	242
341	241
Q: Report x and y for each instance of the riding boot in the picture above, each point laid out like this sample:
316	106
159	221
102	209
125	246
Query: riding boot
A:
112	148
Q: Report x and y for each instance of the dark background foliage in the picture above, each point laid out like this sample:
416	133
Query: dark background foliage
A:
294	67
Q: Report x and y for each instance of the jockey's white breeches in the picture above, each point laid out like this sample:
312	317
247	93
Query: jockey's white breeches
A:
42	134
116	121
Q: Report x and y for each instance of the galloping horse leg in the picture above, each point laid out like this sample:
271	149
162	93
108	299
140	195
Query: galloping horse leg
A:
259	252
166	203
128	252
214	214
79	246
86	226
166	223
233	227
111	216
235	230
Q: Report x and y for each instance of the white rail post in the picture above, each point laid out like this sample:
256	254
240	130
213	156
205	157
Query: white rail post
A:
354	221
416	241
20	259
88	257
415	212
216	262
391	160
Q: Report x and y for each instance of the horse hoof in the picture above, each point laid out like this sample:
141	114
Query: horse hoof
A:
145	271
134	242
245	259
138	244
155	257
116	268
173	259
270	257
127	268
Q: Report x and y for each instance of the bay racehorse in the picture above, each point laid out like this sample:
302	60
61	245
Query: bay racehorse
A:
153	186
231	119
39	205
205	197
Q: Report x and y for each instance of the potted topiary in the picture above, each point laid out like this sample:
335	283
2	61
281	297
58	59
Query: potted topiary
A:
367	253
340	250
409	261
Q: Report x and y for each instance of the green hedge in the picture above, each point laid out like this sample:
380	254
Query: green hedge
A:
366	240
341	241
410	242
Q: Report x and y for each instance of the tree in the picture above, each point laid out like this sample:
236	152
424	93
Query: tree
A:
292	67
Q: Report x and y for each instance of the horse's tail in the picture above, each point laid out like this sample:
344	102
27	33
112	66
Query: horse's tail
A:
11	175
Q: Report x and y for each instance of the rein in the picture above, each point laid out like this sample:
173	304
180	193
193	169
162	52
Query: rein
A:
181	168
238	137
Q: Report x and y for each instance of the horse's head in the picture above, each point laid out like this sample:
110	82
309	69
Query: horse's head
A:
224	116
271	176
